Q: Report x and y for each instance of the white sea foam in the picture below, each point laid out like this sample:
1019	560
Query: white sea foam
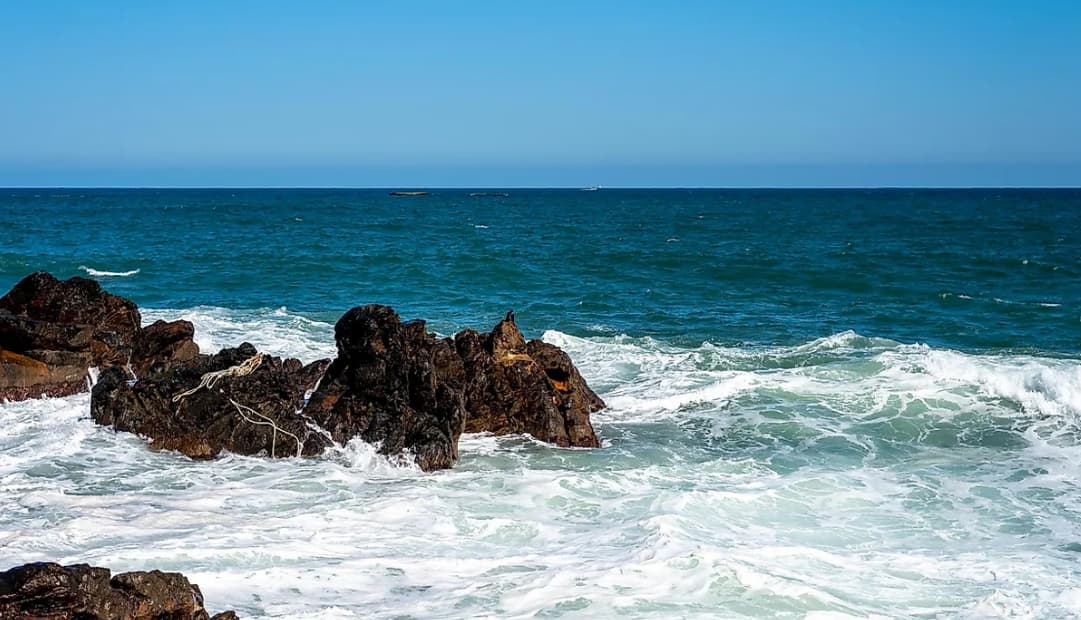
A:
275	331
847	477
108	274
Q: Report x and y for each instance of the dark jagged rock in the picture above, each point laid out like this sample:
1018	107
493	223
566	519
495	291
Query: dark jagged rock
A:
43	313
71	325
393	384
161	344
519	387
253	414
47	591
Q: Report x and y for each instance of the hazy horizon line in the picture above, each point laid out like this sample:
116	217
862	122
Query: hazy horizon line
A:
530	187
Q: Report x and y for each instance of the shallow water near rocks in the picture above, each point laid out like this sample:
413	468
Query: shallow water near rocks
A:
821	404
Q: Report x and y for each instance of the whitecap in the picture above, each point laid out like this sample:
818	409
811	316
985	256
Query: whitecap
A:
107	274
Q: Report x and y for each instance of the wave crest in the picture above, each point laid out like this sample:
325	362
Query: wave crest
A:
97	273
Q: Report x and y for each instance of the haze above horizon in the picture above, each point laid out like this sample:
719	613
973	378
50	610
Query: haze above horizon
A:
488	94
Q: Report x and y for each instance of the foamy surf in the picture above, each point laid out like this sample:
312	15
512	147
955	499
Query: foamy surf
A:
97	273
844	477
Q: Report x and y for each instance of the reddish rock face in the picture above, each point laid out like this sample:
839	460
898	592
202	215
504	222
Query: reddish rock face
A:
43	313
519	387
47	591
71	325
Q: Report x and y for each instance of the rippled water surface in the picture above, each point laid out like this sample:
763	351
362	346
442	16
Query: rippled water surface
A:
822	404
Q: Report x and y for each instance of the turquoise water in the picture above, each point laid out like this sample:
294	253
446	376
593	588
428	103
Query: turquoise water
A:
822	404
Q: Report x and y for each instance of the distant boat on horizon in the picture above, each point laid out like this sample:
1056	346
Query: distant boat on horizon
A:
591	189
409	193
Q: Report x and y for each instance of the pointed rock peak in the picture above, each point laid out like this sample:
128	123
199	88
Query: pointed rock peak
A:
506	338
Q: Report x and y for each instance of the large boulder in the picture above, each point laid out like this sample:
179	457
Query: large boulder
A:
47	591
394	385
44	313
514	386
52	331
235	400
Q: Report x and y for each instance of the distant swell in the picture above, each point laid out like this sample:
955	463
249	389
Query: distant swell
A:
107	274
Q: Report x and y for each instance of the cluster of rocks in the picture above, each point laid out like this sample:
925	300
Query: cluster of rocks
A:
46	591
392	383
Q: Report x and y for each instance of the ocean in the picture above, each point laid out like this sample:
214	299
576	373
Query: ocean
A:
821	403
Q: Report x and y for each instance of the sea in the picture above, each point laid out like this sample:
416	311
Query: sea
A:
822	404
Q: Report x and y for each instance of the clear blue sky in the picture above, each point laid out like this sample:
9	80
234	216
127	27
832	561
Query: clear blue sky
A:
540	93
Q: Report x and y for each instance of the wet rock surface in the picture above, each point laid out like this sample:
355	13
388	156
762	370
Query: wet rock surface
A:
68	326
515	386
255	413
47	591
393	384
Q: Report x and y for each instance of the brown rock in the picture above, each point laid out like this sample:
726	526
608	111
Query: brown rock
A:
43	313
253	414
162	344
47	591
42	373
392	384
518	387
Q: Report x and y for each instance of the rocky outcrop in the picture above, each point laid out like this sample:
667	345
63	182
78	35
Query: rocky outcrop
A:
53	331
393	384
47	591
253	410
514	386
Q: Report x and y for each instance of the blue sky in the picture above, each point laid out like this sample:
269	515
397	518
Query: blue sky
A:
540	93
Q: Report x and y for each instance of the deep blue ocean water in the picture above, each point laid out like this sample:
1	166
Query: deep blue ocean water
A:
972	269
822	403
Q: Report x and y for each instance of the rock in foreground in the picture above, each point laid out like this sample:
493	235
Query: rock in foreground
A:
46	591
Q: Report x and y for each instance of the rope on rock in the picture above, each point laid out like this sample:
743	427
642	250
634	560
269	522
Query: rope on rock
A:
241	409
243	369
210	379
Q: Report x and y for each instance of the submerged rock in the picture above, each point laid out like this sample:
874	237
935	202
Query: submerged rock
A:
515	386
236	400
395	385
71	325
47	591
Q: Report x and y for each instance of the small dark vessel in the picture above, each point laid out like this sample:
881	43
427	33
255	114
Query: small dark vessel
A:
409	193
489	194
